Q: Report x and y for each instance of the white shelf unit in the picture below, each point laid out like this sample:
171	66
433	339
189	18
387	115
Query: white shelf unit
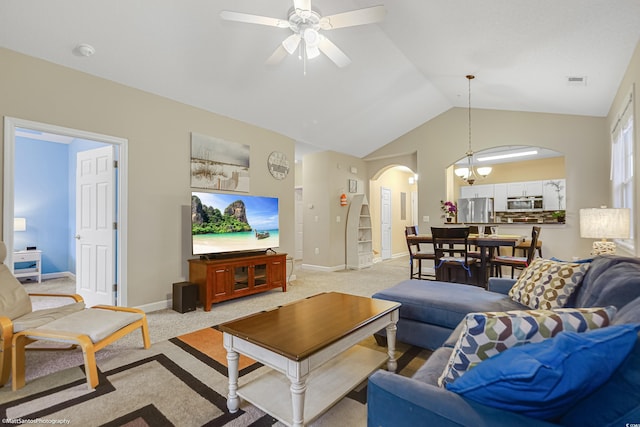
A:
359	250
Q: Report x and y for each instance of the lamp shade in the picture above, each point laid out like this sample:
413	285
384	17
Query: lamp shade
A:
19	224
605	223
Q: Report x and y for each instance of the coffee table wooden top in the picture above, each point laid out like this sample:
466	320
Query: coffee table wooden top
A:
301	328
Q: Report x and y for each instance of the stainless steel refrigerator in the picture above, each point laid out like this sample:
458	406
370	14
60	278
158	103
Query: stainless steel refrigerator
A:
478	209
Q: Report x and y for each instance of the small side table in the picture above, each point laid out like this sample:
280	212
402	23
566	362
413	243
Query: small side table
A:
33	256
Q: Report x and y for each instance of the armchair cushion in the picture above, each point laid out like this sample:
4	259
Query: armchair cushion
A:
485	335
38	318
14	299
548	284
96	323
544	380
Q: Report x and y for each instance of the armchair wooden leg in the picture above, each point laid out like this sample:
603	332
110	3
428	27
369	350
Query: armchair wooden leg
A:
90	366
17	357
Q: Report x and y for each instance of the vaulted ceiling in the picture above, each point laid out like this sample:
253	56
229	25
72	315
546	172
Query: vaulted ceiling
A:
404	70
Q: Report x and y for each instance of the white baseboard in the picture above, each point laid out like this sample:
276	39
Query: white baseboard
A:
155	306
58	275
322	267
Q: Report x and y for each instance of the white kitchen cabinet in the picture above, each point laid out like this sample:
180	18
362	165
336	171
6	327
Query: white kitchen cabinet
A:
500	197
554	192
524	188
471	191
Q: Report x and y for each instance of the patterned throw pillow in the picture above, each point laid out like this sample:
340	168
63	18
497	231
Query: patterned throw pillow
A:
487	334
547	284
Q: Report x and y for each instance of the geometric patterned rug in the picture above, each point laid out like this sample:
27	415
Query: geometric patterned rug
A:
179	382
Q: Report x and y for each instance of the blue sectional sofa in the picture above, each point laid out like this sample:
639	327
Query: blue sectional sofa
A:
429	316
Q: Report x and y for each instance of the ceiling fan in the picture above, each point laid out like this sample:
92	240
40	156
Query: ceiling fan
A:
306	25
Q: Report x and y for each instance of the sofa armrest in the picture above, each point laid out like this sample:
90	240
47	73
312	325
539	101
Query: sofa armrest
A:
501	285
397	401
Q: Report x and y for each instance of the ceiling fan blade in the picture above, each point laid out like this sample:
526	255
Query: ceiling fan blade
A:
352	18
302	4
253	19
334	53
277	56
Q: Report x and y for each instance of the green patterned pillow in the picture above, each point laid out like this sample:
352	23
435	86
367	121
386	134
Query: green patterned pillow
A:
547	284
486	334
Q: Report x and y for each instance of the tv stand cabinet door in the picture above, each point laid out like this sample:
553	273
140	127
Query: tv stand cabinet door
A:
219	283
278	272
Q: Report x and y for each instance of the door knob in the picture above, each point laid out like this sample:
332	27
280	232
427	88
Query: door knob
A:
77	236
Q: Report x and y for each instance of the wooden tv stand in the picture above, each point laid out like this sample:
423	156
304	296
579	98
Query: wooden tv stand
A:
224	279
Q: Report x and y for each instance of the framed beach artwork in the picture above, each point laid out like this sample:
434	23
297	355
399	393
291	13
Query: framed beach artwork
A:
217	164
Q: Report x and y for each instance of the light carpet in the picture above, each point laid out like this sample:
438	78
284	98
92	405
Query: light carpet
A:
177	382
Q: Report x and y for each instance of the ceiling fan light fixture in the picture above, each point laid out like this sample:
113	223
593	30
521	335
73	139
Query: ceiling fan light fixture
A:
291	43
312	52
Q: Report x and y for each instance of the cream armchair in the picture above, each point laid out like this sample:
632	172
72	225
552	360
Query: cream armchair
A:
91	329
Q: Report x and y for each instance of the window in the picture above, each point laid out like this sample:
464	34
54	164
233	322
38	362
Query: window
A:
622	165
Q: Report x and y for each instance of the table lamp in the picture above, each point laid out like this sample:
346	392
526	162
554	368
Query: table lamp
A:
19	224
605	223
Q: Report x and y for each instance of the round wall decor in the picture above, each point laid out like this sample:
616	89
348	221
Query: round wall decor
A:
278	165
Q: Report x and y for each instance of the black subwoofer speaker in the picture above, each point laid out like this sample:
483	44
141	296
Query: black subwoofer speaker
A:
185	295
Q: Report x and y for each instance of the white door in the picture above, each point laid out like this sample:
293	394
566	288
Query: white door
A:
299	223
95	232
385	220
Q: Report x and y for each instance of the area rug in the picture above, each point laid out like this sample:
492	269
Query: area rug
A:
179	382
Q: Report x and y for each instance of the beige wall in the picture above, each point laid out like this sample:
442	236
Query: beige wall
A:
158	131
325	177
441	141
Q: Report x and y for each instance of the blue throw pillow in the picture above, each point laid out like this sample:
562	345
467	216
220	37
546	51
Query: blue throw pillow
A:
543	380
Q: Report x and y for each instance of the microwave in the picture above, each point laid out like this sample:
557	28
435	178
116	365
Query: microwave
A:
525	204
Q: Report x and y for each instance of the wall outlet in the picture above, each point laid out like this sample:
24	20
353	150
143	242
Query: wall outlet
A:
338	218
425	218
317	251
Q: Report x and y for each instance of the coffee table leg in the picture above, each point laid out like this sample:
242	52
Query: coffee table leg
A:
392	364
233	401
298	390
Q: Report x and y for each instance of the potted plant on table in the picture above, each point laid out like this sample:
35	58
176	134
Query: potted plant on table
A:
449	208
560	216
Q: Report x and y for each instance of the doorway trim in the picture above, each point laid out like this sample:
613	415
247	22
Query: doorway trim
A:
10	125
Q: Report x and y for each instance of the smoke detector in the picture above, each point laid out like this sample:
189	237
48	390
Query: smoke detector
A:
84	49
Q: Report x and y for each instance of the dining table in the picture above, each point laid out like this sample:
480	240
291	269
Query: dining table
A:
486	244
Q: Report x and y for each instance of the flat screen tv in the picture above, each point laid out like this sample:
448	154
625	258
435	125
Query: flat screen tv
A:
229	223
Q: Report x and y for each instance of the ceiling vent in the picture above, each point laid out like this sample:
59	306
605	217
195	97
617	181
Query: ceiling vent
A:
577	80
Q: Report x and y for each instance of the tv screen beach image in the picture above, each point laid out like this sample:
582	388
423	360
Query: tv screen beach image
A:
233	222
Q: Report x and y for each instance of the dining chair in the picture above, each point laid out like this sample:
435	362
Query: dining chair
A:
417	255
450	246
473	250
515	262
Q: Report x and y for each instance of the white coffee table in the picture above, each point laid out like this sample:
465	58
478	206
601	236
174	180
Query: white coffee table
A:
312	348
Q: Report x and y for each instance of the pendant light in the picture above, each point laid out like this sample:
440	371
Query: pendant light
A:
469	172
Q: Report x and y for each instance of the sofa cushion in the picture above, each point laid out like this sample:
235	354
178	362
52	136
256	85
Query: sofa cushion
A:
544	380
442	303
548	284
431	370
617	399
611	280
485	335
